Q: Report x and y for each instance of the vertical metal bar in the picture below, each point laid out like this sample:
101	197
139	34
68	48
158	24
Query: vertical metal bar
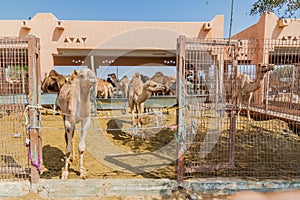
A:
234	104
93	97
34	85
292	87
92	63
181	146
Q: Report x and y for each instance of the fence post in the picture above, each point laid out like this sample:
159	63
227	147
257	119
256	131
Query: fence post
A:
35	153
180	112
234	109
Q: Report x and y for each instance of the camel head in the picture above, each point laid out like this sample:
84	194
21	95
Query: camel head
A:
264	68
50	85
87	77
53	82
112	75
153	86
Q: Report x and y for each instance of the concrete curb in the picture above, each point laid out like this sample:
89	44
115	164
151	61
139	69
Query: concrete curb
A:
105	187
14	189
78	188
229	186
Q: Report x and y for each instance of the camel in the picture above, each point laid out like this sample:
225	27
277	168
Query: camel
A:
246	86
53	82
121	85
72	76
138	93
111	81
168	81
74	102
104	89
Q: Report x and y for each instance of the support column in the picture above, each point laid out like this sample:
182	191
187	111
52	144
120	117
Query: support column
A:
92	63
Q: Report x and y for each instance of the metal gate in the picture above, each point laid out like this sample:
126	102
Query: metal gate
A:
216	137
19	118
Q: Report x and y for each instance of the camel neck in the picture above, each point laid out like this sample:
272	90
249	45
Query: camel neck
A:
144	95
257	82
114	80
83	93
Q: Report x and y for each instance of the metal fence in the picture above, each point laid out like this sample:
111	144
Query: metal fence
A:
218	141
19	69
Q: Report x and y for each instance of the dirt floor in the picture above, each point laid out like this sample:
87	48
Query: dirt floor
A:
259	143
115	127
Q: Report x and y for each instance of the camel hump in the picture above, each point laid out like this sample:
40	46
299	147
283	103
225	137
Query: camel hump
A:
159	73
54	73
136	75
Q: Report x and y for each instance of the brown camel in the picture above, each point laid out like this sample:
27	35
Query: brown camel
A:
138	93
104	89
121	85
246	86
74	102
53	82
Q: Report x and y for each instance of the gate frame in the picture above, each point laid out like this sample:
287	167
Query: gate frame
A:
35	134
180	112
181	102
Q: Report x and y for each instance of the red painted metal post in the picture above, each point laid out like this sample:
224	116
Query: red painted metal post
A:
34	88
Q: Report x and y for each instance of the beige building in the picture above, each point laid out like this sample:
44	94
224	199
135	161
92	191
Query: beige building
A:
130	43
94	43
277	41
270	26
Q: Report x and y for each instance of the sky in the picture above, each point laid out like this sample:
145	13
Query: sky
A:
135	10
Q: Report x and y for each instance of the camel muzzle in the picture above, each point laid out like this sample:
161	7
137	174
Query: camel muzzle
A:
93	81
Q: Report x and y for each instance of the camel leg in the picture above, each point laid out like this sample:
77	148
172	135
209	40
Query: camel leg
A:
140	117
239	104
81	148
69	133
140	114
248	106
74	160
133	107
106	93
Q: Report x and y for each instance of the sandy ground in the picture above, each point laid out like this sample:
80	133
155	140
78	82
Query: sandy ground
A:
110	135
104	132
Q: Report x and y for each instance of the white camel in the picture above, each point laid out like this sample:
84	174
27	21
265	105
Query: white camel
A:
246	86
138	93
74	102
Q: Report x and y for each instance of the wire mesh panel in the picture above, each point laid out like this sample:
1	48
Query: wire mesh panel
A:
234	124
14	90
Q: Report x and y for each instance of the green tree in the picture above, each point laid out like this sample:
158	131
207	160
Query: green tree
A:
283	8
